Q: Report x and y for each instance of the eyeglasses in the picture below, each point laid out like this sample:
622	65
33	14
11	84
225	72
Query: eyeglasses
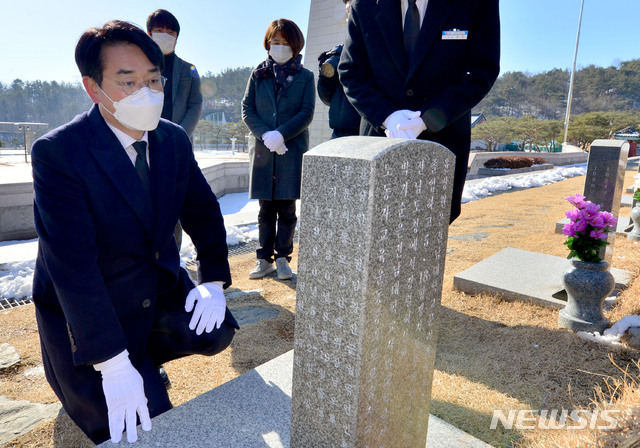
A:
132	85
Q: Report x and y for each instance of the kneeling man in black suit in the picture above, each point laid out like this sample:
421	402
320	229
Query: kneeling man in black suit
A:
112	302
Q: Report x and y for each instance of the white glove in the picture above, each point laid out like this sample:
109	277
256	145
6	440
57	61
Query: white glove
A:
272	139
124	391
281	149
395	120
210	309
414	126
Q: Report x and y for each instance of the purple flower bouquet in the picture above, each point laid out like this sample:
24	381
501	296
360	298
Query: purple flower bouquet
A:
587	230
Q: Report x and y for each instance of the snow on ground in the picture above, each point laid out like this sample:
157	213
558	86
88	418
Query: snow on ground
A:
233	203
17	258
16	279
17	261
611	336
15	171
473	191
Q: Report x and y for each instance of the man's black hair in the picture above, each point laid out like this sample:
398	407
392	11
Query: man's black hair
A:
112	33
164	19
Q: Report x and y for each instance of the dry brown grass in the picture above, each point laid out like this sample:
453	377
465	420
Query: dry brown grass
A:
620	396
491	354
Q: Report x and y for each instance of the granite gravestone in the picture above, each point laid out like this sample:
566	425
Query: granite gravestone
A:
606	167
373	235
629	224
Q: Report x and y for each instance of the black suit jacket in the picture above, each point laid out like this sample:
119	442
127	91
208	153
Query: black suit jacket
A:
106	250
443	80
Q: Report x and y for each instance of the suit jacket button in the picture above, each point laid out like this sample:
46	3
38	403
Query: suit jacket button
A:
146	303
410	92
157	255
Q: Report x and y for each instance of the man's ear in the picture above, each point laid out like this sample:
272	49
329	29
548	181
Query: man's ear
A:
92	88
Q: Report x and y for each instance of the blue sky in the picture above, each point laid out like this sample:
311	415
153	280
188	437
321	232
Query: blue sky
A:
38	37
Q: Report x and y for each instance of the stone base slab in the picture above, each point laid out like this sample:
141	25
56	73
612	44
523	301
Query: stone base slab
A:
254	411
520	275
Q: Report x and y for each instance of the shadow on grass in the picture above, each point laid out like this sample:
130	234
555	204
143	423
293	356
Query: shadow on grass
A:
266	333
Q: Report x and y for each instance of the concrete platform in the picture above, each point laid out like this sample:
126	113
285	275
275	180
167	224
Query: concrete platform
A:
254	411
241	219
492	172
224	175
520	275
477	159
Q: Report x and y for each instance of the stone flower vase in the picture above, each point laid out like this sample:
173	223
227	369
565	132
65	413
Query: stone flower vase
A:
587	285
634	234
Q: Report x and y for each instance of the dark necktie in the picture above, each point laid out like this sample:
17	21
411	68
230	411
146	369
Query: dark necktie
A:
411	28
141	165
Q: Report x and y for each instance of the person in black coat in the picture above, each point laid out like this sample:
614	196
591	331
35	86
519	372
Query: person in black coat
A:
344	120
414	69
112	302
277	108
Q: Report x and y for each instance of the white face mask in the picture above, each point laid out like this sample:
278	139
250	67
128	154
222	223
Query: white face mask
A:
166	42
281	53
140	111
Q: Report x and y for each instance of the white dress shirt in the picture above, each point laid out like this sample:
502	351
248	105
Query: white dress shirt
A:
422	9
127	143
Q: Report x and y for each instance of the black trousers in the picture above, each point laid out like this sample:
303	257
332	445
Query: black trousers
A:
276	226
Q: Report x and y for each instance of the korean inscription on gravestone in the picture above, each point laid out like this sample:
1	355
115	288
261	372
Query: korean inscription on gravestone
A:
370	279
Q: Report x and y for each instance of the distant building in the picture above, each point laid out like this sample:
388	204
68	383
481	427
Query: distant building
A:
477	119
215	116
14	134
478	145
632	136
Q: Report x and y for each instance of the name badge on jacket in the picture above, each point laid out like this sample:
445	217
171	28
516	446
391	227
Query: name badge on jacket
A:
455	34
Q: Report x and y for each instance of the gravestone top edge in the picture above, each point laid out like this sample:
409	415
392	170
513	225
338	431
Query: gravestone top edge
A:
603	143
369	148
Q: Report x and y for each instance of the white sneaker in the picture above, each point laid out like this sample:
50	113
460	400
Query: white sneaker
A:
262	268
284	271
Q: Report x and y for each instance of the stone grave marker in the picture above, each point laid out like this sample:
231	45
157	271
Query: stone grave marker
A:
628	222
606	167
373	235
603	185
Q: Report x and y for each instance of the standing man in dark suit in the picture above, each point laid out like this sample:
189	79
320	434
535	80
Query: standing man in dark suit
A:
112	302
414	69
182	93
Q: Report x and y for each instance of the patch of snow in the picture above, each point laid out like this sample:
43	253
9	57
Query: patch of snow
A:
611	336
473	191
16	279
36	371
